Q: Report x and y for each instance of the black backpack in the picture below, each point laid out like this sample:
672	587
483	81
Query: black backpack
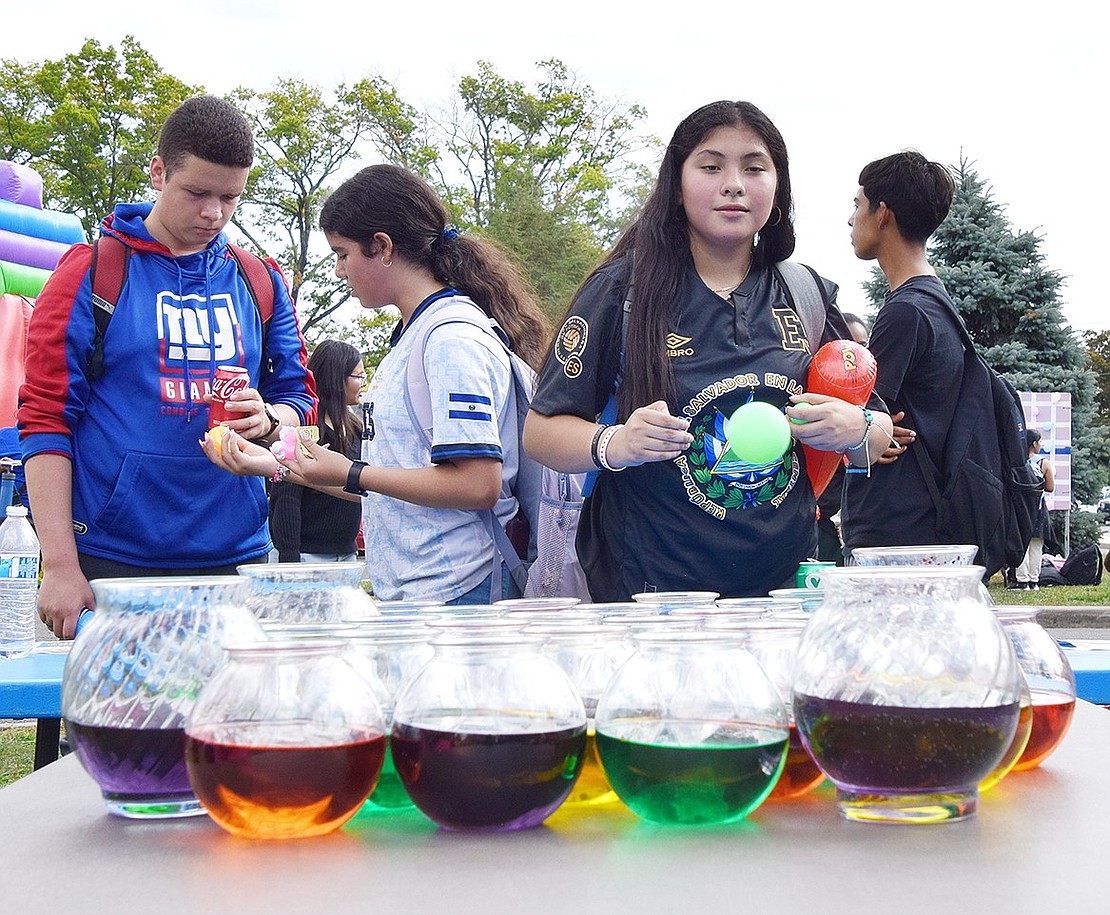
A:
988	495
1083	566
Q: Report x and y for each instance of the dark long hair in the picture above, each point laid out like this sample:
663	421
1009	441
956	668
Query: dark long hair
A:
660	239
389	199
330	363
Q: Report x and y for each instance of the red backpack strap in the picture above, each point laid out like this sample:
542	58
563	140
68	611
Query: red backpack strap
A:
258	279
107	274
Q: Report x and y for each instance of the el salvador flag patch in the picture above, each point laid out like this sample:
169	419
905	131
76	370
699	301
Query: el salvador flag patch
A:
469	406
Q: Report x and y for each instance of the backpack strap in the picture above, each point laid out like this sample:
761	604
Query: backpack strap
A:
108	273
807	294
608	414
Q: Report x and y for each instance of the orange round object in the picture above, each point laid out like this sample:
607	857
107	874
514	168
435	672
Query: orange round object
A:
216	434
844	369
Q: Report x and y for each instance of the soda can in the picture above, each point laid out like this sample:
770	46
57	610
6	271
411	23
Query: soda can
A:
229	380
809	573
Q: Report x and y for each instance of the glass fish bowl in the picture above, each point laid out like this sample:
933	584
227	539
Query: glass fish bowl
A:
133	676
286	741
307	592
691	730
490	735
1051	683
907	692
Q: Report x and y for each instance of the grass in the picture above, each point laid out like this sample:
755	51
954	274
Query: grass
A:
17	752
1057	596
17	744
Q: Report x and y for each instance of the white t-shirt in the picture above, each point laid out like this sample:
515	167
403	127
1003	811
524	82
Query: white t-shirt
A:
414	552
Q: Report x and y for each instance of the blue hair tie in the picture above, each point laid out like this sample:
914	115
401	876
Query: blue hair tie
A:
449	234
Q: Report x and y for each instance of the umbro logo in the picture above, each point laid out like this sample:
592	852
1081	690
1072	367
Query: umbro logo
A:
677	345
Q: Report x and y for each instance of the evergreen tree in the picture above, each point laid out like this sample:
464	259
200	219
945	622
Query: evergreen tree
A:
1010	301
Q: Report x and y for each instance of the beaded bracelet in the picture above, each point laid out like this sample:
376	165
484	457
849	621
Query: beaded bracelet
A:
868	419
280	474
593	446
603	444
867	431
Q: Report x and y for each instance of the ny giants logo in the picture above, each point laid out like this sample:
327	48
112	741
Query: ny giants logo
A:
189	334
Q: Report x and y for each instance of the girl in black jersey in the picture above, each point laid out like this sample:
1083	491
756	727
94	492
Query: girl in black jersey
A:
708	327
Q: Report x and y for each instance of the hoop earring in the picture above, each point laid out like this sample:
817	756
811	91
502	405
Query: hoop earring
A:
386	263
778	218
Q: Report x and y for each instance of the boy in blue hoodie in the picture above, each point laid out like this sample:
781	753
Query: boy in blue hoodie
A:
116	481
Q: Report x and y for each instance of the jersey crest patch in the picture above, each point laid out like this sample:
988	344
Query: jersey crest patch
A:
571	343
717	479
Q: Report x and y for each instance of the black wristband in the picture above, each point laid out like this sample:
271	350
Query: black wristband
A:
353	486
593	446
275	420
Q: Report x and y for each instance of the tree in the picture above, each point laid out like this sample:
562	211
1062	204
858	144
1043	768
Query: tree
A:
305	138
369	333
1010	301
89	123
545	171
1098	351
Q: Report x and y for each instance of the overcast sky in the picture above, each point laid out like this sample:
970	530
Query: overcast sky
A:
1010	86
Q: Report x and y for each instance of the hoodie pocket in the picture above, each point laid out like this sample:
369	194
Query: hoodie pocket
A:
184	509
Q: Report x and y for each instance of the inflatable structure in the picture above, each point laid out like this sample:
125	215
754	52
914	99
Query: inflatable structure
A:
32	241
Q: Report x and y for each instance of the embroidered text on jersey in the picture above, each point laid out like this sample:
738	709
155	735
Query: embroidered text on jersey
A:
792	329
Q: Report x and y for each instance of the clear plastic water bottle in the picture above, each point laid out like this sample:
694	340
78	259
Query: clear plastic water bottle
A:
19	583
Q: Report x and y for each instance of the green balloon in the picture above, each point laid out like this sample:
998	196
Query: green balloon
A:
758	433
794	419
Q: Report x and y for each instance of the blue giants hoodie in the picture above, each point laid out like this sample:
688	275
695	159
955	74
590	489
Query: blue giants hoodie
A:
143	492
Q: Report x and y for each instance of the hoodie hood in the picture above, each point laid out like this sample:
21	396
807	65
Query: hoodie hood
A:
126	222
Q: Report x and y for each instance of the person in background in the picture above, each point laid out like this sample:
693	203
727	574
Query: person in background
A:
1028	573
829	547
426	511
901	200
311	526
115	484
710	327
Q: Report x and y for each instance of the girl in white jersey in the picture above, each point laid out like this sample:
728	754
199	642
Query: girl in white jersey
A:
424	510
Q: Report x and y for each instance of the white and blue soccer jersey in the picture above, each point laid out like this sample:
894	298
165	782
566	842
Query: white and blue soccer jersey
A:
412	551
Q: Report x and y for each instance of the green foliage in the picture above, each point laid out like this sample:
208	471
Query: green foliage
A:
369	332
304	138
547	170
1098	352
89	123
1010	301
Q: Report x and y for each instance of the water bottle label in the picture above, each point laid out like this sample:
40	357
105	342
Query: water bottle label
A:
19	567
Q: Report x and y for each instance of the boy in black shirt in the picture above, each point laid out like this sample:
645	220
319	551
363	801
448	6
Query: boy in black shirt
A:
901	200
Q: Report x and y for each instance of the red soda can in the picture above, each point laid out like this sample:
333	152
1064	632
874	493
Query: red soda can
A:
229	380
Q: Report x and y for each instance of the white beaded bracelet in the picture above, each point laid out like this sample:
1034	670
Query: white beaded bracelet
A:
603	445
868	419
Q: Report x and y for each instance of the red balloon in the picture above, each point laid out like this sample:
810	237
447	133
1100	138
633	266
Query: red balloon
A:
844	369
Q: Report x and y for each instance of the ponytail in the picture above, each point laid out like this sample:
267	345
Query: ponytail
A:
390	199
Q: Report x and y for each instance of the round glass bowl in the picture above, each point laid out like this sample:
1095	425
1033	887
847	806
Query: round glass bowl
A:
305	592
691	730
132	677
286	741
907	692
489	735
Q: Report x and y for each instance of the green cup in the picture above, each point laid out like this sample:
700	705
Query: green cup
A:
809	574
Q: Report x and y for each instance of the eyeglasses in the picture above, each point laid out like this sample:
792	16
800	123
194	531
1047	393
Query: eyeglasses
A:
361	377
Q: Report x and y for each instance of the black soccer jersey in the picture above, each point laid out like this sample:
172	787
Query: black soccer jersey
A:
706	520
